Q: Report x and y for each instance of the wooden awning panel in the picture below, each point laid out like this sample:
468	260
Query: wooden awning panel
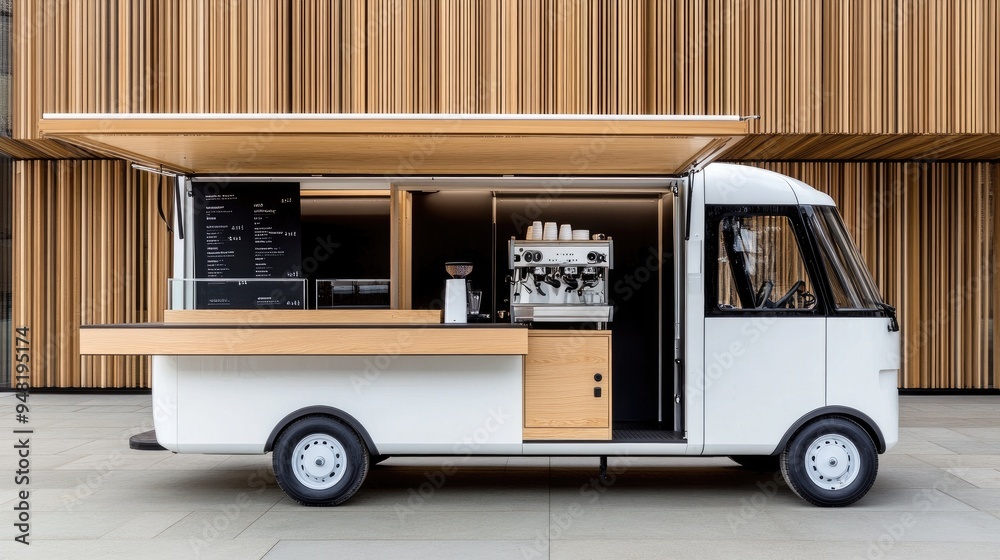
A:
230	144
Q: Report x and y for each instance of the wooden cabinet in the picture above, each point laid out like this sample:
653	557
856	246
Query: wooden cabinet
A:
567	386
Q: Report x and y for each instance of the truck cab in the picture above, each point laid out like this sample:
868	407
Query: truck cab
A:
788	349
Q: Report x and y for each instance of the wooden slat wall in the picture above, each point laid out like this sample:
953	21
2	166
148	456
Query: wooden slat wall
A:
766	59
949	55
462	60
6	268
859	73
89	248
926	231
811	69
831	66
328	57
148	56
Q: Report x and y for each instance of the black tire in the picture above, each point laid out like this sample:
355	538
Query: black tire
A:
759	463
831	462
310	446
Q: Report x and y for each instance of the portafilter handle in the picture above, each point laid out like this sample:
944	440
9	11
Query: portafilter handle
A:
538	284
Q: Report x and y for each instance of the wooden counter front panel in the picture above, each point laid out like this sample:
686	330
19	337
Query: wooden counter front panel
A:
559	386
167	340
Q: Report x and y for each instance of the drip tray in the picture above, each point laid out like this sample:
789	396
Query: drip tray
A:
561	313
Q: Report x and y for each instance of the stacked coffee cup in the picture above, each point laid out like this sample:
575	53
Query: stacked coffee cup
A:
551	232
534	231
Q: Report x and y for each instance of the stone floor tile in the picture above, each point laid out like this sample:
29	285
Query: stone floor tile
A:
115	549
146	525
426	497
401	549
917	448
125	460
681	548
345	523
901	460
962	461
826	524
173	461
980	477
54	525
915	477
983	499
224	524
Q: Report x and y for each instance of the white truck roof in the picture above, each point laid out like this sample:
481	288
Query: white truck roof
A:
727	183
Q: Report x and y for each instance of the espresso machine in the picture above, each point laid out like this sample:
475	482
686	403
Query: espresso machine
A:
560	281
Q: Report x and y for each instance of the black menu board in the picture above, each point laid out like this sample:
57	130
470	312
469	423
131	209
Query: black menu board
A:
245	232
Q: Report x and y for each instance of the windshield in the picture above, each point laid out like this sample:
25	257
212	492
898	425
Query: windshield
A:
850	281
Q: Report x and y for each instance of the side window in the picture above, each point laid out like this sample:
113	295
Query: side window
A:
760	265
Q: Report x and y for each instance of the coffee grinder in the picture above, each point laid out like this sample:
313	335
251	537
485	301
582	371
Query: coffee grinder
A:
456	292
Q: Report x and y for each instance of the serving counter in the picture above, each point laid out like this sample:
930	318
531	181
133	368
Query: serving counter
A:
222	380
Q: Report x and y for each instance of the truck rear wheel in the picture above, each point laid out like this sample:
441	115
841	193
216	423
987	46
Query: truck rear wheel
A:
831	462
319	461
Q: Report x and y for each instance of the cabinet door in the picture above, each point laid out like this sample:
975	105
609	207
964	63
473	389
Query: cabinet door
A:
559	383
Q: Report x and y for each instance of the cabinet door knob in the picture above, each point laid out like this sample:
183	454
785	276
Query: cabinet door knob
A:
598	377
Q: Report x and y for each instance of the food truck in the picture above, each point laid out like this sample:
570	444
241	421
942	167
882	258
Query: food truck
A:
533	285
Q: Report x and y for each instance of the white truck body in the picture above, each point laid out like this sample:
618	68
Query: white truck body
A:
749	380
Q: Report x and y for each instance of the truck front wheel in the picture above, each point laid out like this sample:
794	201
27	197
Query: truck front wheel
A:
831	462
319	461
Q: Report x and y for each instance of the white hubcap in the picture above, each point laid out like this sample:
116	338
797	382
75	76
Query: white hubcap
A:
319	461
832	462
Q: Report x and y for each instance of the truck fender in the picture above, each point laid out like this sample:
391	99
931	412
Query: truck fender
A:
325	411
860	417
